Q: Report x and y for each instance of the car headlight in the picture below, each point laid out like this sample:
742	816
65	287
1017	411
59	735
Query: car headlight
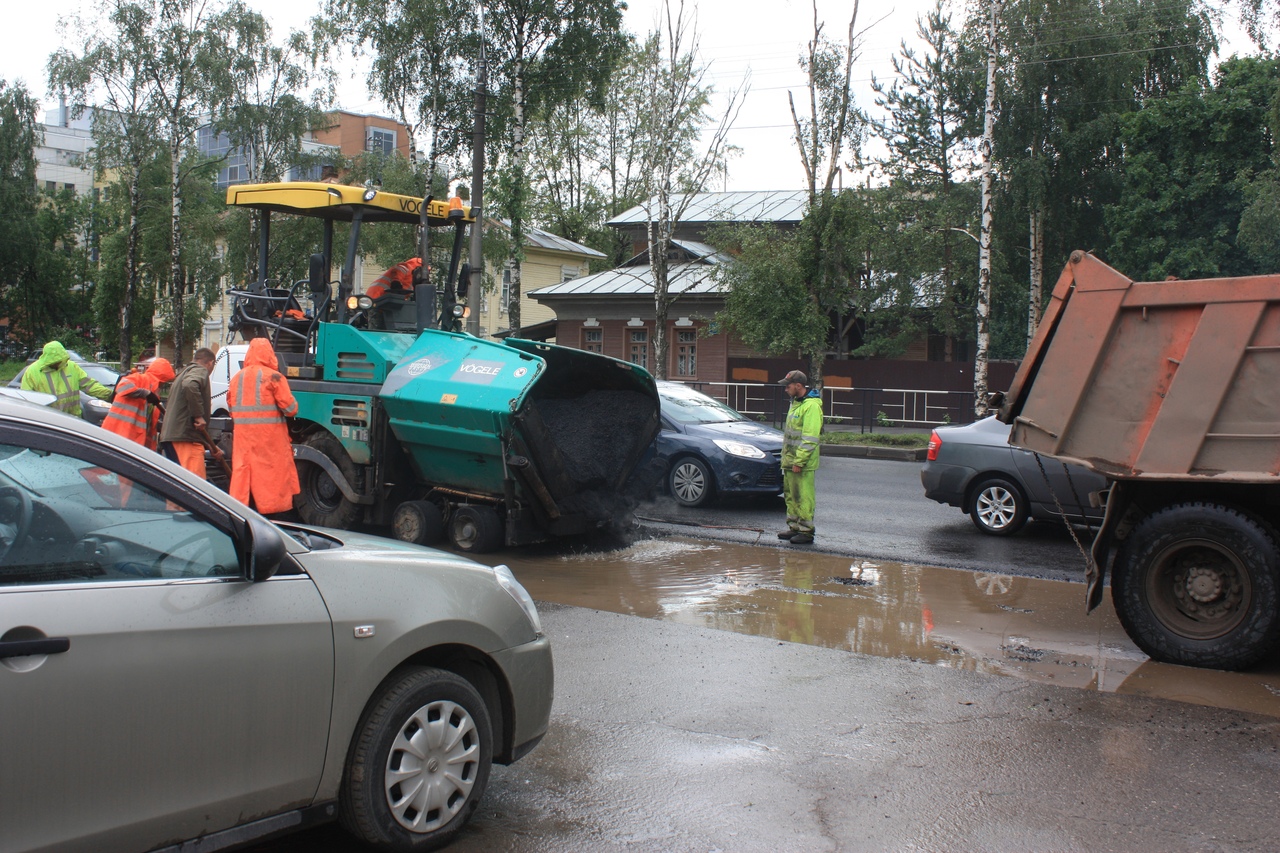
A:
508	582
738	448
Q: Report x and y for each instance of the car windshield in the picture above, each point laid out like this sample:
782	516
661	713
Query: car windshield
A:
686	406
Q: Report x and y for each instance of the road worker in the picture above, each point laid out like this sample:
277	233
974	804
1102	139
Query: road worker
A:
262	468
398	278
135	411
800	440
187	419
55	373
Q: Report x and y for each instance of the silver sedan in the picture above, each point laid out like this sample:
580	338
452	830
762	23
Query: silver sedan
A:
173	666
974	467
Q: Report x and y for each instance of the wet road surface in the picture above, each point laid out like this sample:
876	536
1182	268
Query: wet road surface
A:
980	712
974	621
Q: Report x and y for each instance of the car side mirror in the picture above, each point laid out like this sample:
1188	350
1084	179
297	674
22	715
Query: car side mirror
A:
266	550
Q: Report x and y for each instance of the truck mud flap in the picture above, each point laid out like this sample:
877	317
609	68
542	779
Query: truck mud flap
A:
309	454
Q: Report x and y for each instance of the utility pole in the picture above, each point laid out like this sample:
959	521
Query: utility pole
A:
980	389
477	186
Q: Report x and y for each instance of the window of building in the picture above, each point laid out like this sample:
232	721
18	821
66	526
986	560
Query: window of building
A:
640	347
686	352
71	187
593	340
505	304
381	140
569	273
51	186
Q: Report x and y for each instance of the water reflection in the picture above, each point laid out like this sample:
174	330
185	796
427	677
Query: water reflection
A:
1014	626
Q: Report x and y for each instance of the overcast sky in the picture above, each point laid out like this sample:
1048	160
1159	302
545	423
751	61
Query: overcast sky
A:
737	36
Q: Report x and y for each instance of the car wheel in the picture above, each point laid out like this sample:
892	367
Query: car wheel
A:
475	529
690	482
1199	585
998	507
420	522
320	501
419	763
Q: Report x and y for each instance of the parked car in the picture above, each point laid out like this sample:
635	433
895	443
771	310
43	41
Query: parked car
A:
92	409
973	467
711	449
190	674
226	363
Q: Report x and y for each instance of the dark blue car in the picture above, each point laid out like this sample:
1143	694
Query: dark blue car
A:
711	449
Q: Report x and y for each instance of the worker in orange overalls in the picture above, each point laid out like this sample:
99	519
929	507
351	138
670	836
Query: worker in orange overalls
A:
262	468
399	277
135	409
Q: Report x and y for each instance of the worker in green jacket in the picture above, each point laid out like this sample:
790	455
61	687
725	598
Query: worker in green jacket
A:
55	373
800	457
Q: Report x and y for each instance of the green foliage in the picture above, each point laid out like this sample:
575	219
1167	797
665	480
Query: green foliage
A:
1197	175
908	440
19	222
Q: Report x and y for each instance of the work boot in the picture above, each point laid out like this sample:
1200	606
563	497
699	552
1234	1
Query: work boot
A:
787	534
802	539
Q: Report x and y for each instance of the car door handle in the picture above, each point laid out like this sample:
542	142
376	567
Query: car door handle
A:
46	646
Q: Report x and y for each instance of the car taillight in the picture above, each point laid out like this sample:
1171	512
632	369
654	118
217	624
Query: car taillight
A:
934	444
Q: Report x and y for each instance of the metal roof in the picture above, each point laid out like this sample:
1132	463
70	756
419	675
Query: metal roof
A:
546	240
693	279
758	206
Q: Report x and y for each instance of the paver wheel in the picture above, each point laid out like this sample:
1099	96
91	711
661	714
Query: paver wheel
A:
320	501
420	522
475	529
1198	584
419	763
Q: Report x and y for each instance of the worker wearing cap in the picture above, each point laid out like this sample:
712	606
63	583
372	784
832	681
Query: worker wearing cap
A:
135	412
800	457
187	420
55	373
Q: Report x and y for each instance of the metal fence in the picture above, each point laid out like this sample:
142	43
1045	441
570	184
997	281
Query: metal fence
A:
855	409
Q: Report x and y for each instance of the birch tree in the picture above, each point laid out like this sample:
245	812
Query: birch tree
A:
674	162
828	130
109	68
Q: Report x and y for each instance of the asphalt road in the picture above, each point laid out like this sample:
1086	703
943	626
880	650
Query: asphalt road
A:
876	508
678	737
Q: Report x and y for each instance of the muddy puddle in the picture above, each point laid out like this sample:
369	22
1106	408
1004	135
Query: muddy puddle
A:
997	624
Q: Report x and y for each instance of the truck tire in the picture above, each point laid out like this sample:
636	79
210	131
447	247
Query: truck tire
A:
419	522
998	507
320	501
1199	585
475	529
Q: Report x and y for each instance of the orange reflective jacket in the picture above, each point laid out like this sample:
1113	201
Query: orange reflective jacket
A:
262	465
130	415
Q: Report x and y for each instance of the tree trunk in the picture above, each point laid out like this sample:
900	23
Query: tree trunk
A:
1035	289
984	243
517	203
130	272
176	281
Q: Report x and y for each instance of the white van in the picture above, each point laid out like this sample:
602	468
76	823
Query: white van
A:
227	364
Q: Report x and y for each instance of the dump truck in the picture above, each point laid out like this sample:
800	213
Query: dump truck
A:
1171	389
403	421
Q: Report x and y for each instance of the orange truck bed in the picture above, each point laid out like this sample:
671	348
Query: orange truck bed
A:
1169	380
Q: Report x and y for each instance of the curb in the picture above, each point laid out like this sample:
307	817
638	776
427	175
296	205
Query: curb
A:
867	451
